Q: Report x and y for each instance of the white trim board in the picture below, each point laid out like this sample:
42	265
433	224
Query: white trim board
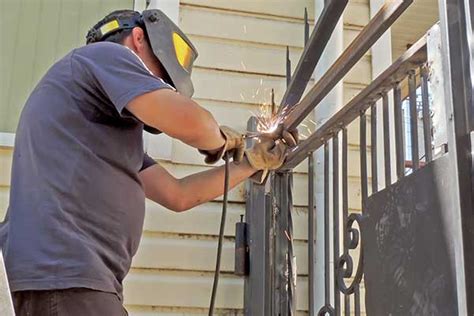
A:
7	139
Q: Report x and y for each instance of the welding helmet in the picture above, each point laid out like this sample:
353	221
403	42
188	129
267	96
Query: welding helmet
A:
173	49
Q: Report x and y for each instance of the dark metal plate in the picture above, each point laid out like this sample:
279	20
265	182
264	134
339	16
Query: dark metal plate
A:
409	268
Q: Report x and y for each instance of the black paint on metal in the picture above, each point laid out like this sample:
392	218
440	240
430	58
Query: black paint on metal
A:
415	156
285	271
457	20
258	215
399	131
408	267
426	113
386	140
288	67
327	295
363	157
311	235
327	308
241	256
345	215
306	26
335	209
373	147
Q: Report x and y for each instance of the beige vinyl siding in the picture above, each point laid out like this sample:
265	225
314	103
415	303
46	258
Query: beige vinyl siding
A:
34	34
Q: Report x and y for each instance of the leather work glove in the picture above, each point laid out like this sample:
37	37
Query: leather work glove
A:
265	155
234	144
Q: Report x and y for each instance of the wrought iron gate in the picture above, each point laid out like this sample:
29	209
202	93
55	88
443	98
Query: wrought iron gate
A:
410	251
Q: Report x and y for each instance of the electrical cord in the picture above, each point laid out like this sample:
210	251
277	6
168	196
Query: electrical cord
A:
221	235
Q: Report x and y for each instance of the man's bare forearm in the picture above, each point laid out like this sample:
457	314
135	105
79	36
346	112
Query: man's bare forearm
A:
178	117
207	185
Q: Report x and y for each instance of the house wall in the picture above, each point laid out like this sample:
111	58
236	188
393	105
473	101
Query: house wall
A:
242	48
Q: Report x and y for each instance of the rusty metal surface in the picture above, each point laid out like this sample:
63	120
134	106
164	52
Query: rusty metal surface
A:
415	56
408	267
377	26
313	50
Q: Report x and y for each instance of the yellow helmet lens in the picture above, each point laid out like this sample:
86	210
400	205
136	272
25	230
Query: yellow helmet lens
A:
184	52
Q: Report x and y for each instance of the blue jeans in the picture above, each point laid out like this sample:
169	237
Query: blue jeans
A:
68	302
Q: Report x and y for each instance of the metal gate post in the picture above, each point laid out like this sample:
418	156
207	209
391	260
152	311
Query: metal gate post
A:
457	50
284	260
258	284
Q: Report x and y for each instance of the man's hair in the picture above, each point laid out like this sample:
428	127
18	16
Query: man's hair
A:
120	36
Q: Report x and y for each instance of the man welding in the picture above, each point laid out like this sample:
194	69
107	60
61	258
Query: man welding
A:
80	175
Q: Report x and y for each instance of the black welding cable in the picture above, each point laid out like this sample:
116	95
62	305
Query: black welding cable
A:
221	236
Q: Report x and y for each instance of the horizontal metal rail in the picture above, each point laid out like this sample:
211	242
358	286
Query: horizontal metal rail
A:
386	16
414	57
313	51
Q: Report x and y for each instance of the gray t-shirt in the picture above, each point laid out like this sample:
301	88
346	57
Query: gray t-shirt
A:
76	203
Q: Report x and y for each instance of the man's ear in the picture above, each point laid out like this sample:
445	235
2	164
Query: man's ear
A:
138	38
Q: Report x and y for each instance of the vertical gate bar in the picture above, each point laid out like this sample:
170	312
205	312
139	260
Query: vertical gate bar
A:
363	157
258	215
284	245
457	32
306	26
288	66
327	295
426	113
386	140
292	273
415	157
373	146
364	188
399	131
311	230
357	300
345	208
335	195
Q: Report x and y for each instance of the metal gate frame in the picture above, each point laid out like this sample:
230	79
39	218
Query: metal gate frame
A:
457	18
271	283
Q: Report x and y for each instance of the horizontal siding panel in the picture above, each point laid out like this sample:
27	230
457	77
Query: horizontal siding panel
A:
201	220
258	58
186	289
240	27
235	87
189	289
359	9
205	220
266	7
175	253
357	13
243	56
